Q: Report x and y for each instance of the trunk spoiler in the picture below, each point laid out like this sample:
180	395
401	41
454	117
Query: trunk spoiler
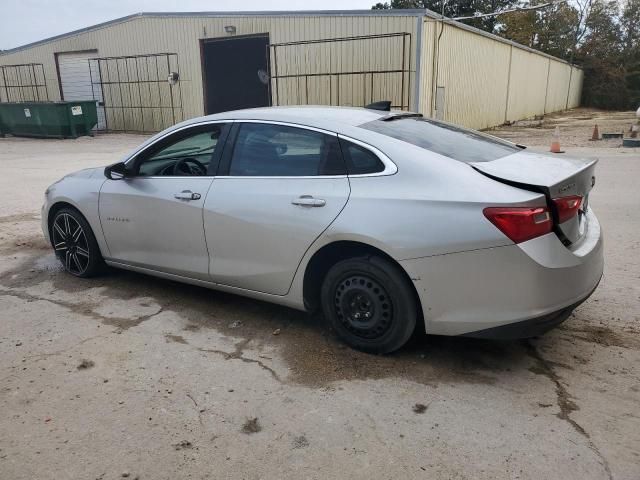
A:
553	176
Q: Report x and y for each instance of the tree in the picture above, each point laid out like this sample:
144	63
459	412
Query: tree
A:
630	27
460	8
521	27
594	34
603	36
555	30
601	54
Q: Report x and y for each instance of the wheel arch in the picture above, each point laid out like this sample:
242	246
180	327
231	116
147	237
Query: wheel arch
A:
63	203
56	207
322	260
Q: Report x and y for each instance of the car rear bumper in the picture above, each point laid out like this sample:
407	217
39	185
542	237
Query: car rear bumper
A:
507	292
528	328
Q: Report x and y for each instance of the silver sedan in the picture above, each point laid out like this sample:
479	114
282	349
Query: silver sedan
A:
387	221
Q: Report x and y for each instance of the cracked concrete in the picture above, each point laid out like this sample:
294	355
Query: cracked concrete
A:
564	400
237	354
178	371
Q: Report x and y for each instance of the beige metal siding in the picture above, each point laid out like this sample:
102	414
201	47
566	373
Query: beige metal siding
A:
23	83
318	73
575	91
350	56
474	72
429	32
527	85
486	81
181	35
112	40
558	86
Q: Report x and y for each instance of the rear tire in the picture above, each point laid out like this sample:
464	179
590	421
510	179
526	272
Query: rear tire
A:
75	244
370	304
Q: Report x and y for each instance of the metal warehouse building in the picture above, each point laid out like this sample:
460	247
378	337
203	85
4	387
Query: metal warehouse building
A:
150	70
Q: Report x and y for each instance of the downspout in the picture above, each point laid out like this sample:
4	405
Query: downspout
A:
569	87
417	87
436	63
433	70
506	107
546	91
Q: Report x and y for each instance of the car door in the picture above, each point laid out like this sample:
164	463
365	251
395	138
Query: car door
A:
277	190
153	217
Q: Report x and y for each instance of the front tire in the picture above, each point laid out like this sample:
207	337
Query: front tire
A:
370	304
74	243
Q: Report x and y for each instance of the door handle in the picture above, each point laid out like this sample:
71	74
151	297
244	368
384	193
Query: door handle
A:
187	195
308	201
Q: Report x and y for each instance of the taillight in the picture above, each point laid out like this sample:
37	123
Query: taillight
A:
520	223
567	207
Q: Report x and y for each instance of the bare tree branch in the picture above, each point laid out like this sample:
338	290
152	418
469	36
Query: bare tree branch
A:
520	9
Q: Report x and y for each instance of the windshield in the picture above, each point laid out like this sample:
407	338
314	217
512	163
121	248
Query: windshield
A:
449	140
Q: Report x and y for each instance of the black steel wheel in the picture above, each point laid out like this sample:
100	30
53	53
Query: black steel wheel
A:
370	304
363	306
74	243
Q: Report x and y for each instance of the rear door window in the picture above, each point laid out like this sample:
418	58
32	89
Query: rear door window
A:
268	150
449	140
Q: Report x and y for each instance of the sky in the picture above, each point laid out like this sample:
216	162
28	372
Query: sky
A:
26	21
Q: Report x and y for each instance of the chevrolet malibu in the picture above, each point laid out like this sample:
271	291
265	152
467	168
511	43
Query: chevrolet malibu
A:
385	220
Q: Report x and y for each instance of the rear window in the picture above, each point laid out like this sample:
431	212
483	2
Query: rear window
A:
449	140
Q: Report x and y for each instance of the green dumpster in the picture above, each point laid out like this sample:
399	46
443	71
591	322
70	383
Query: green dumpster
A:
3	130
48	119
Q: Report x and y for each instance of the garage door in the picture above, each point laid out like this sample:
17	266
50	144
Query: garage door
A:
75	80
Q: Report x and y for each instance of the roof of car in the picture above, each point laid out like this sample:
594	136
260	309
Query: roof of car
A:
323	117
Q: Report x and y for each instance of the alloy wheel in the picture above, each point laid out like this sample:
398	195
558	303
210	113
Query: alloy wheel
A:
70	243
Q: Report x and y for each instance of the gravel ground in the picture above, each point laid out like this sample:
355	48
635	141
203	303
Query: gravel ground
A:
127	376
576	129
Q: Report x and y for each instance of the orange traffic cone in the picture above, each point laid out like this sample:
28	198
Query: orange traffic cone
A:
596	133
555	143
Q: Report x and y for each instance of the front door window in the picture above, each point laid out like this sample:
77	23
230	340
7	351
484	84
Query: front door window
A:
187	153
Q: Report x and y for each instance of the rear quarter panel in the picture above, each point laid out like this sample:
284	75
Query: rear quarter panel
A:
431	206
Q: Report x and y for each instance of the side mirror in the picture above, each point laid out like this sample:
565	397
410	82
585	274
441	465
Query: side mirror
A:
117	171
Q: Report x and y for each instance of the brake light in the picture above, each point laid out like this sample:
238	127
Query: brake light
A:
520	223
567	207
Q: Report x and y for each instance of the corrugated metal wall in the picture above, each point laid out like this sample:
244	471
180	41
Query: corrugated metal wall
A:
136	93
527	84
23	83
427	67
575	92
485	81
474	72
351	72
181	35
558	86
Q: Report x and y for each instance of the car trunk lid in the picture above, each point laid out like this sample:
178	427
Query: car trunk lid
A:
556	177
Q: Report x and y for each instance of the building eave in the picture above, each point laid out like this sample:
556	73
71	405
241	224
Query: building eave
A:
235	14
